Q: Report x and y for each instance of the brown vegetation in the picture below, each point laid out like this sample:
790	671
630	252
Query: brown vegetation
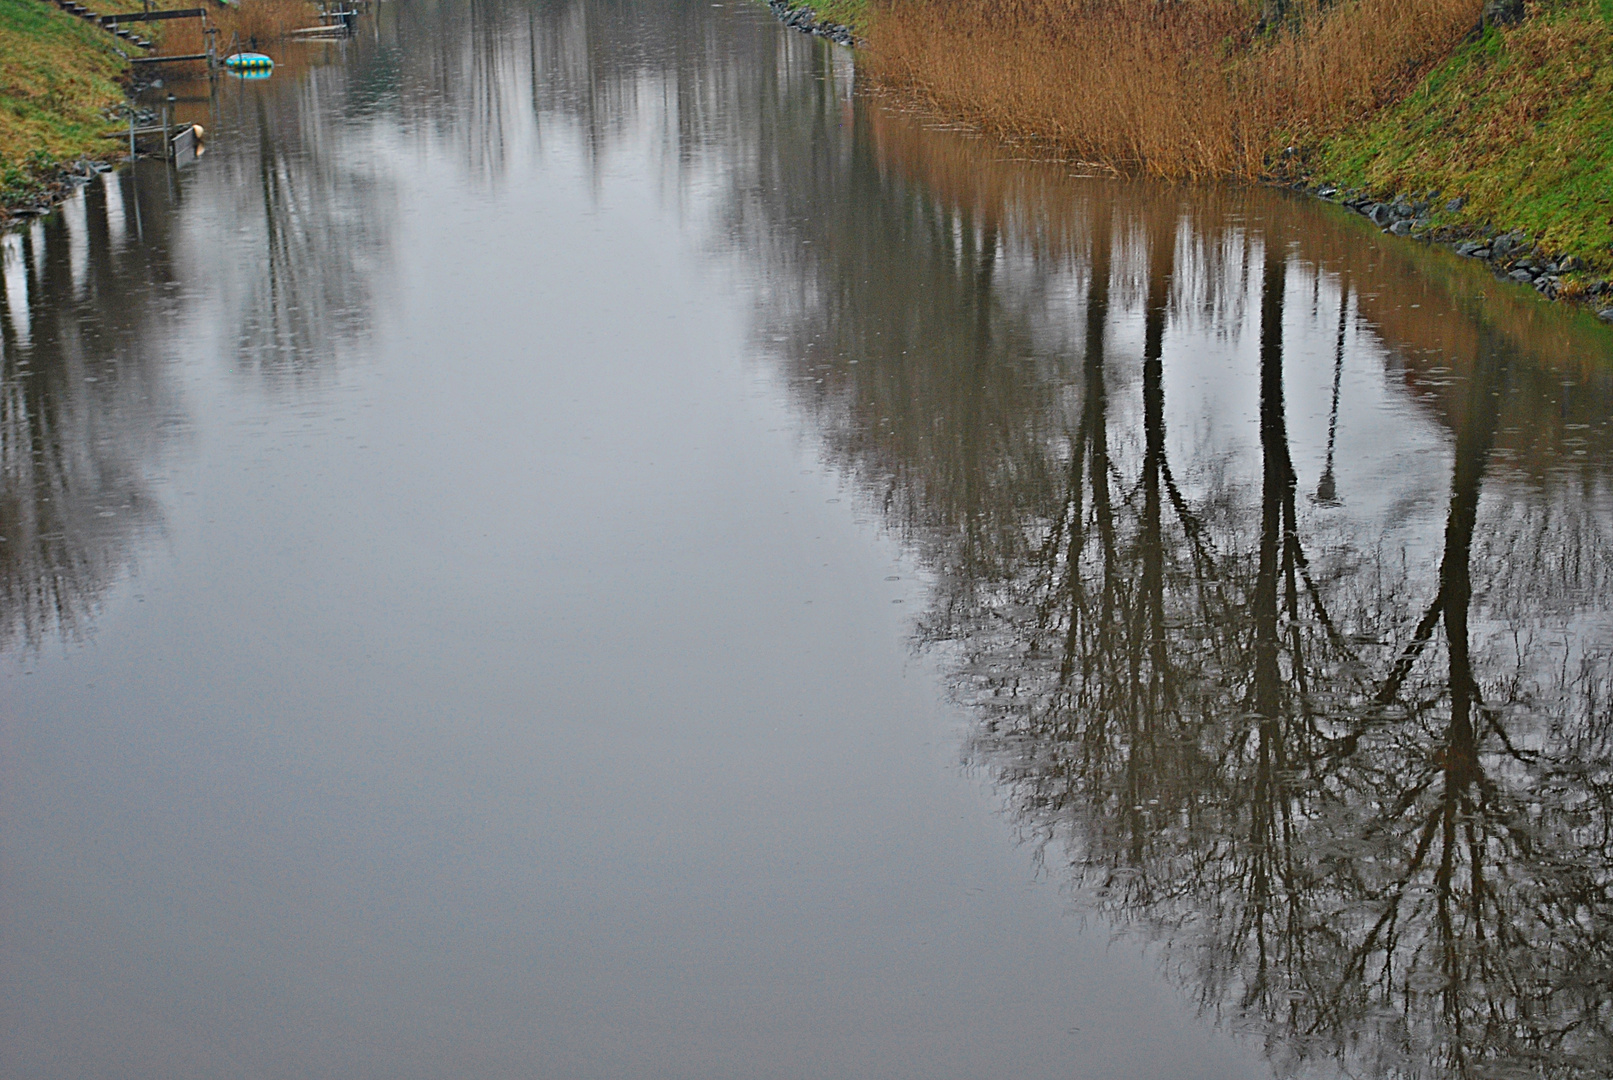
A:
1171	88
252	24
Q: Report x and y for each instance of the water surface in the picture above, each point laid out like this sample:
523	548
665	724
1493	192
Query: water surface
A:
580	541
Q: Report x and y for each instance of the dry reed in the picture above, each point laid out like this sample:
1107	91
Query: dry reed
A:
1170	88
251	24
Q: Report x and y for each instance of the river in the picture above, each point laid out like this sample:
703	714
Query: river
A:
581	541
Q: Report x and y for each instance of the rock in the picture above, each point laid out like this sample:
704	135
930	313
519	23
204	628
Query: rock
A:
1521	274
1401	228
1503	245
1381	215
1403	209
1606	314
1455	205
1502	12
1468	248
1483	253
1546	285
1571	264
1326	192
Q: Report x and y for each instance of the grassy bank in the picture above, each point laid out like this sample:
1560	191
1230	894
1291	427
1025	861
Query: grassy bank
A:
1518	122
62	79
58	78
852	13
1382	96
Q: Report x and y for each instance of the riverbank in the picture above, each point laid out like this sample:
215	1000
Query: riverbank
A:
1464	121
64	83
1508	142
60	80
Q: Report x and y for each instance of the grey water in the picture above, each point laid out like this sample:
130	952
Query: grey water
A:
583	539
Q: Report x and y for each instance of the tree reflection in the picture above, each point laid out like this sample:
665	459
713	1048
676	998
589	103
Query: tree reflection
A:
81	407
1350	775
1373	867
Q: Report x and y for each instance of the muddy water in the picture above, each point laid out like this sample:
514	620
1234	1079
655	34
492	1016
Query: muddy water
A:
578	542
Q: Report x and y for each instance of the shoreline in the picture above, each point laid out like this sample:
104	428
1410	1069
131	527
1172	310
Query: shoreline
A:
804	17
72	85
1512	253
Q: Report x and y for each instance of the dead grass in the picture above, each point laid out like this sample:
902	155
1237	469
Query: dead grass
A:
1170	88
254	23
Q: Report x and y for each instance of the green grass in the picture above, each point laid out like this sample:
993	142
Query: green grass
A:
58	76
1518	121
852	13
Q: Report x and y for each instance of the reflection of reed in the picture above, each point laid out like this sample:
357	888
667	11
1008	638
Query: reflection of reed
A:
1431	310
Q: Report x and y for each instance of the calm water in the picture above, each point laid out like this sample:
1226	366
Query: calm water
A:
579	542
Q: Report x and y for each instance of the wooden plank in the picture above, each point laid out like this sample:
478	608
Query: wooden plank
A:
165	59
152	16
182	149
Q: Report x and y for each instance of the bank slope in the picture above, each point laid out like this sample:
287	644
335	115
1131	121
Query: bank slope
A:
58	77
1518	123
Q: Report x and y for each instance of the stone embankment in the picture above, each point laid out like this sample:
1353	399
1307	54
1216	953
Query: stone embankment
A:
1510	254
804	19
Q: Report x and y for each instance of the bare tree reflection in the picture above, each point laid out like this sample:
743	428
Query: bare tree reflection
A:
1320	757
311	227
83	407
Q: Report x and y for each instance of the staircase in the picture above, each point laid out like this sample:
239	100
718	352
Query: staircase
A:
107	23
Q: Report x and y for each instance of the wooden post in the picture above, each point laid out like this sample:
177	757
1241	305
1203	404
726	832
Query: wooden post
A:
131	132
167	151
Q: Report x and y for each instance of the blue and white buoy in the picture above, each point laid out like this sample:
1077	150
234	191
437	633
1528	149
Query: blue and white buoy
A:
249	63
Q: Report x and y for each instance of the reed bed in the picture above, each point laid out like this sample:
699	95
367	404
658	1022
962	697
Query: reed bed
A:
1175	89
254	23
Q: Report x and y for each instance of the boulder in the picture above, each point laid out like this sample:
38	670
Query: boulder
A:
1381	215
1401	228
1522	275
1571	264
1502	12
1606	314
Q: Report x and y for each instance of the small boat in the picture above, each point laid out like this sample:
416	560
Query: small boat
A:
249	63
